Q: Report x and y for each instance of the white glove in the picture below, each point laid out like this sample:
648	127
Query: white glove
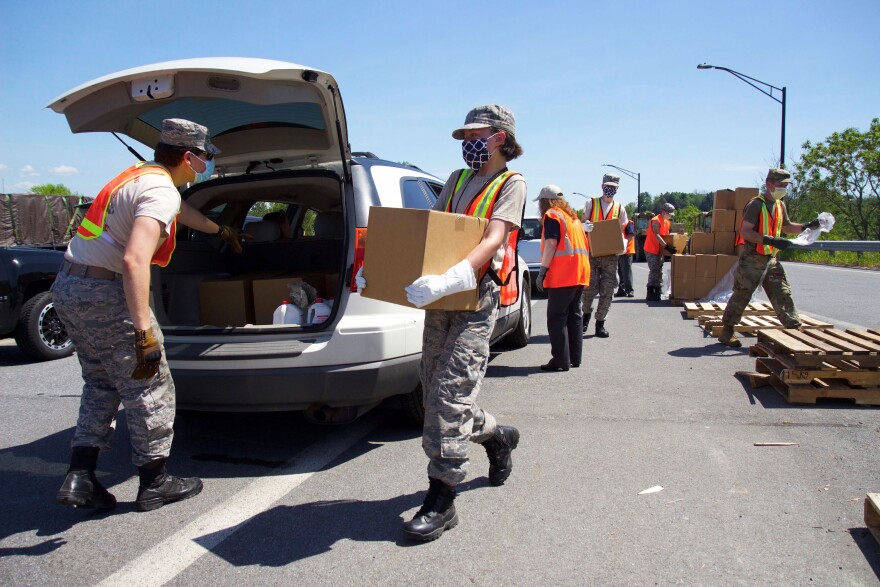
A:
359	280
588	227
430	288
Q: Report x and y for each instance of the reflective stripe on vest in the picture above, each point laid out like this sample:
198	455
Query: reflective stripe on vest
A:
765	222
481	206
651	244
570	264
92	226
596	214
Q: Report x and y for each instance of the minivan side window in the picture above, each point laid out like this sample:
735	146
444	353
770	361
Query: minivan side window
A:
415	195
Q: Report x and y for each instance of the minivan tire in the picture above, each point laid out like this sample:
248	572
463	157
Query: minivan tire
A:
413	405
40	334
523	331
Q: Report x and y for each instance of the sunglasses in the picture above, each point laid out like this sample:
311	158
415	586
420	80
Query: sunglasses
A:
202	154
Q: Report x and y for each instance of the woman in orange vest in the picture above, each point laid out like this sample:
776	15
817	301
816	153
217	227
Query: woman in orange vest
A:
565	271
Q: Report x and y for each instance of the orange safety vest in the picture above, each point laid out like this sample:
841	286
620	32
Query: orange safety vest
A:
570	264
630	243
92	225
482	206
596	214
769	225
651	244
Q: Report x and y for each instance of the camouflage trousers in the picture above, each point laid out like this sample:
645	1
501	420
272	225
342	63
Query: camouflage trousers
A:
455	354
603	280
655	269
98	322
767	271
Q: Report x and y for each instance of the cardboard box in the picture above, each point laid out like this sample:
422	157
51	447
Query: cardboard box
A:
684	269
404	244
267	296
723	220
724	200
226	303
705	266
702	243
679	241
723	264
606	238
739	221
702	286
743	196
724	242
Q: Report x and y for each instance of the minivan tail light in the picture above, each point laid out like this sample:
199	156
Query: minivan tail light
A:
360	243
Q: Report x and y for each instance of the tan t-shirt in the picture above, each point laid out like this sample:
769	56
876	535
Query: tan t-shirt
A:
508	206
149	195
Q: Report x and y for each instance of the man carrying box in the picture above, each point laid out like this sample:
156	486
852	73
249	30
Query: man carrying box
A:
658	229
764	220
603	270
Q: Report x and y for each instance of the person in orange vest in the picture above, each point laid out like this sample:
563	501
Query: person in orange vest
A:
655	244
102	295
565	271
625	262
765	219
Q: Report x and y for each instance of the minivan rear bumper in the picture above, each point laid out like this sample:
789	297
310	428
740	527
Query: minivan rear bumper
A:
243	389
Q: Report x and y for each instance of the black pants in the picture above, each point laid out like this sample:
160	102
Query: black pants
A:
564	324
625	272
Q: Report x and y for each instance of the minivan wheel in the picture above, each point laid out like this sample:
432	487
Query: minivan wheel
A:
40	334
523	331
413	404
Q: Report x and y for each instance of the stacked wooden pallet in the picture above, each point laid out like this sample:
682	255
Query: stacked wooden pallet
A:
804	365
697	309
753	324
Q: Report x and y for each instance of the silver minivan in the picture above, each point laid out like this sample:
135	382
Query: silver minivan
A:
283	135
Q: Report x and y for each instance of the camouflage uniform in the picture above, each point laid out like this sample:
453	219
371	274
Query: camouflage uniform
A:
748	275
455	355
655	269
603	280
97	320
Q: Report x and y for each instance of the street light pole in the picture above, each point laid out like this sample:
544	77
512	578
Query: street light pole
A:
636	176
749	81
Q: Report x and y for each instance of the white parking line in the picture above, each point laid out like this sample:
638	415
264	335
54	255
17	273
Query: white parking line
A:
169	558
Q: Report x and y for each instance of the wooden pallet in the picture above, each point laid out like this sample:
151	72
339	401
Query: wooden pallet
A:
872	514
696	309
753	324
846	349
809	392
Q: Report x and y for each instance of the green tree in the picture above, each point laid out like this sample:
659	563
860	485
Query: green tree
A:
842	174
52	189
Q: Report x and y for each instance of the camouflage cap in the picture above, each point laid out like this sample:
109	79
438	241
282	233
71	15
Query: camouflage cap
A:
178	132
491	115
550	192
668	207
611	179
778	175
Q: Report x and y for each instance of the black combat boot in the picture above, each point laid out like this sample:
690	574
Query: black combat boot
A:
436	515
586	321
158	487
499	448
81	488
600	329
653	294
619	293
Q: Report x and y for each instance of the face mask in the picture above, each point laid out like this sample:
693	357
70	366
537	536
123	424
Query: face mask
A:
609	192
206	174
476	152
779	193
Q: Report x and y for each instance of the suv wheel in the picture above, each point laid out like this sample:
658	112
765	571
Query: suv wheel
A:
40	334
413	404
523	331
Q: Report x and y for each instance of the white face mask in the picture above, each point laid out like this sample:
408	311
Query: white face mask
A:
779	193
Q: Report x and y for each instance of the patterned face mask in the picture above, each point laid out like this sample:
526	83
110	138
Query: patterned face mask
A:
608	191
476	152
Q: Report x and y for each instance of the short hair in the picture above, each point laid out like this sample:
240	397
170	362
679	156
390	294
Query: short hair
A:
169	155
510	149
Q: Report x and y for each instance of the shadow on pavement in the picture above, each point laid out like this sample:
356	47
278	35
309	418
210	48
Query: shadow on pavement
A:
869	547
11	356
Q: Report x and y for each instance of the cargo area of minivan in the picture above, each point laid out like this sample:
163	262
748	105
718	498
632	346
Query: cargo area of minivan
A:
296	254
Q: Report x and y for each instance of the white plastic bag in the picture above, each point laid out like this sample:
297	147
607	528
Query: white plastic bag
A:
666	281
810	235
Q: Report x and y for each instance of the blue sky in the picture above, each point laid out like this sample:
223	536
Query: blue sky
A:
589	82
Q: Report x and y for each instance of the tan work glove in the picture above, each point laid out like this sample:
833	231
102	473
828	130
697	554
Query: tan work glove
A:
149	354
233	238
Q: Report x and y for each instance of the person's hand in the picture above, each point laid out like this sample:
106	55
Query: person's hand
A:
233	238
359	280
812	224
672	250
541	275
588	227
779	243
149	354
430	288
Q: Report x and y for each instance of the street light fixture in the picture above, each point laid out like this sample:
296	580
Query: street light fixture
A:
749	81
636	176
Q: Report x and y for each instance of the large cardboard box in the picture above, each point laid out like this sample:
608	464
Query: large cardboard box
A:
723	264
739	220
606	238
702	243
705	266
743	196
404	244
268	295
684	269
226	302
724	242
723	220
724	200
679	241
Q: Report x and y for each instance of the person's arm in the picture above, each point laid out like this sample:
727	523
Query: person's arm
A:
191	217
142	244
655	228
749	234
495	234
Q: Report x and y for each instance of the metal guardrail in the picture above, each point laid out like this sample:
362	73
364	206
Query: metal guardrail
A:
857	246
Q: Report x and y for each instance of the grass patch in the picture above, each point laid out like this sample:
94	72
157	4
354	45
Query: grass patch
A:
840	258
